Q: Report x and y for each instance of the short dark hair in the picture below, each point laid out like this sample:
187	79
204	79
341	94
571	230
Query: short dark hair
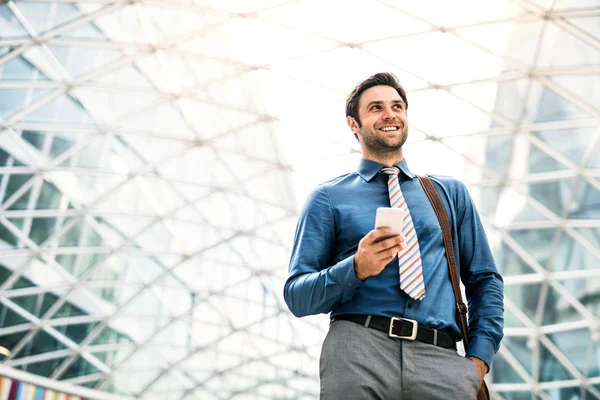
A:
381	78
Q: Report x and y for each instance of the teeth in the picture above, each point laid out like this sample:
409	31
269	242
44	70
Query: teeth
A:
389	128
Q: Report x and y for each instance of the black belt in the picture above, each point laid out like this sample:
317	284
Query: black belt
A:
401	328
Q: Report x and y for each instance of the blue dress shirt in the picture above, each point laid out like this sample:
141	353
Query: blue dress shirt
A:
340	212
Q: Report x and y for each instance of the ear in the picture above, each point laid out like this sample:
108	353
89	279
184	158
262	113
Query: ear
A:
353	125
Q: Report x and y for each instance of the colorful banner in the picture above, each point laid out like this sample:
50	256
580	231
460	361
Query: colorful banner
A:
15	390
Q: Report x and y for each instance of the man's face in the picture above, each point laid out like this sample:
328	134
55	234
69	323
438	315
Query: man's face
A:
384	126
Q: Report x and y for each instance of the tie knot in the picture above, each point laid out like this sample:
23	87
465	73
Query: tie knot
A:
390	171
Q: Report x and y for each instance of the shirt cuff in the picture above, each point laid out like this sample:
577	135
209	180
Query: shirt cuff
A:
482	348
343	273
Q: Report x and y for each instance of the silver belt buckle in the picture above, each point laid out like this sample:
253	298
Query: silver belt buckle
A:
413	334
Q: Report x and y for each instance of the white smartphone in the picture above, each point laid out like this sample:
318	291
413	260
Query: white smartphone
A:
390	217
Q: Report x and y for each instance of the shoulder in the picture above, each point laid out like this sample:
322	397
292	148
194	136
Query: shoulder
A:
324	191
448	183
454	189
339	181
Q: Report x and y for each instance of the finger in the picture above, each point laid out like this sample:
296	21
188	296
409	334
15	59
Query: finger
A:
388	254
386	244
376	235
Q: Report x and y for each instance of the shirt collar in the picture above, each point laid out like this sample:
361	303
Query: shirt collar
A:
367	169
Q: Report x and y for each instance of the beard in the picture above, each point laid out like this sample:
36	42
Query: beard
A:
381	146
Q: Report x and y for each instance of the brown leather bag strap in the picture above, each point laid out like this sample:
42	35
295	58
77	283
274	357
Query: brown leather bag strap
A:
440	212
461	307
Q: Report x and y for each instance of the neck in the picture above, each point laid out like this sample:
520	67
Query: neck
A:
387	160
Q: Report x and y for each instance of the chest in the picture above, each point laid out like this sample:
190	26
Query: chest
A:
356	216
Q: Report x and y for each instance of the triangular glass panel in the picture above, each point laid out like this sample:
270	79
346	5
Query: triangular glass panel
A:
44	17
78	265
87	31
64	109
14	100
72	58
79	367
19	69
572	255
539	161
125	76
95	155
138	201
68	310
221	117
42	229
558	310
7	236
582	86
49	197
19	283
511	320
111	336
592	235
81	233
522	41
41	342
586	24
494	37
10	27
36	304
525	297
22	203
36	139
520	347
587	292
550	368
530	213
571	393
10	318
164	119
553	194
115	107
42	368
77	332
513	109
510	263
63	142
7	159
549	106
572	143
575	345
586	204
535	242
574	52
594	368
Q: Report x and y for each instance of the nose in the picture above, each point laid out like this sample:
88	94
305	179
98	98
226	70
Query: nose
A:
388	113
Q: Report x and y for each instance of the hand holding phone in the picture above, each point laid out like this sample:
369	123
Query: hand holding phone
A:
380	245
392	218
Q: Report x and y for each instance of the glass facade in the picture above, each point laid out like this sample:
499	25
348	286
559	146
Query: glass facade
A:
153	158
544	201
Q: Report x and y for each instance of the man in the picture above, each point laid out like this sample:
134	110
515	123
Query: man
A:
338	265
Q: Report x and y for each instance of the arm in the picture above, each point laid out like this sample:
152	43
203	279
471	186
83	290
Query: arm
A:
315	286
483	284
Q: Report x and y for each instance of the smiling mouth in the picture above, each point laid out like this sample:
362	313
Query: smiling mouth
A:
389	128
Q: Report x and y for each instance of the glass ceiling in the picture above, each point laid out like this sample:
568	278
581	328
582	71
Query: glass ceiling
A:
154	156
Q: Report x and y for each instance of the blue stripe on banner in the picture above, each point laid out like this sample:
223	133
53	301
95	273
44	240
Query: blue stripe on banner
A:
40	394
20	391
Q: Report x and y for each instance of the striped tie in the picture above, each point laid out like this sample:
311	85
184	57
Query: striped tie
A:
409	258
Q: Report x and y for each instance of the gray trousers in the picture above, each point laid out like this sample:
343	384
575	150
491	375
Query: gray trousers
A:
364	363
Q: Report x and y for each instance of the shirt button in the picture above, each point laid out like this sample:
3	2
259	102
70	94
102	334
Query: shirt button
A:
409	305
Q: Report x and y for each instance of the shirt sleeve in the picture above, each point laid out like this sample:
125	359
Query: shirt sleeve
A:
483	283
314	286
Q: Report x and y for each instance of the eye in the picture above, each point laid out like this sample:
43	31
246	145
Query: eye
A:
398	106
376	107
